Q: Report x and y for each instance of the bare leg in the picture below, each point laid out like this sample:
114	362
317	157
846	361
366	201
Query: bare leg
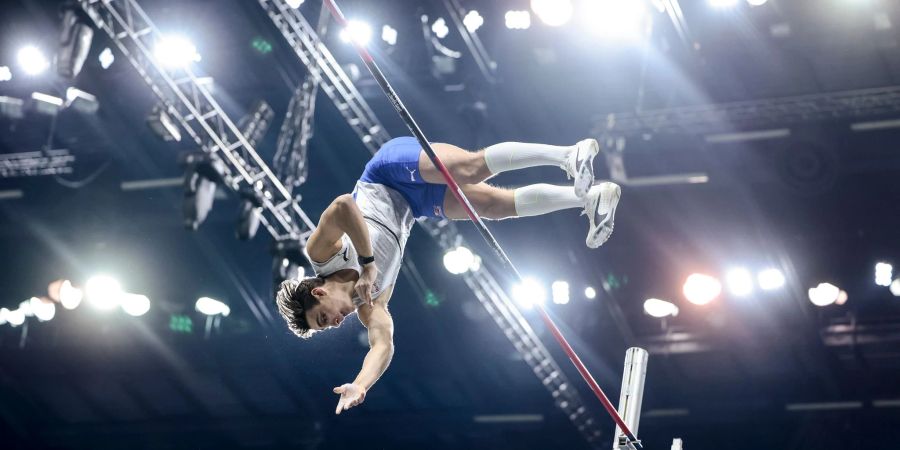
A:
474	167
465	166
497	203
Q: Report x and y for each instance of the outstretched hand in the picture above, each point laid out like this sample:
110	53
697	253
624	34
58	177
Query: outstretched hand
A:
366	280
351	395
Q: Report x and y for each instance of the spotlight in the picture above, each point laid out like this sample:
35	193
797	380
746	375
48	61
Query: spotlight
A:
884	272
4	316
106	58
15	317
103	292
69	296
81	101
553	12
660	308
44	310
739	281
74	44
518	20
440	28
5	73
294	3
389	35
826	294
201	175
757	2
32	60
211	307
770	279
135	305
528	293
590	293
175	51
701	289
895	287
26	308
46	104
357	31
560	290
616	19
473	21
722	3
163	125
460	260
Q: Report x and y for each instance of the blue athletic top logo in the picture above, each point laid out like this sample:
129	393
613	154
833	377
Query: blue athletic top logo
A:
411	174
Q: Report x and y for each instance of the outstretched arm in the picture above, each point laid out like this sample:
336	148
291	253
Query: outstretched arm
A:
381	349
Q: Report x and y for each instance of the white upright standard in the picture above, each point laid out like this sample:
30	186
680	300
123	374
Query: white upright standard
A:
632	395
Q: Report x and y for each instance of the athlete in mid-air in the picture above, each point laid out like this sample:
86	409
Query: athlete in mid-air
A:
357	248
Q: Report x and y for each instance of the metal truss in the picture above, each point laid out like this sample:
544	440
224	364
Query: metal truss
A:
486	65
749	115
200	116
320	63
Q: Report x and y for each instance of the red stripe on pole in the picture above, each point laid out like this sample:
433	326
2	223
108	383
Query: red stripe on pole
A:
482	228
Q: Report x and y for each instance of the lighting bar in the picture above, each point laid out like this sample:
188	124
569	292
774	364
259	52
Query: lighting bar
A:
509	418
823	406
746	136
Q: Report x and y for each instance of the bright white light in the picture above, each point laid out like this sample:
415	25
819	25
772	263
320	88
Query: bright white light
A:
528	293
701	289
616	19
590	293
32	60
4	316
46	98
476	264
294	3
770	279
553	12
43	310
16	317
460	260
389	35
211	307
5	73
740	282
135	305
824	294
895	287
103	292
757	2
175	51
660	308
473	21
106	58
560	290
440	28
518	20
359	32
723	3
884	273
25	307
69	296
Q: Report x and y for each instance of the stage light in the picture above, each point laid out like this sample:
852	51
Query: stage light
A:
135	305
43	310
518	20
701	289
660	308
175	51
560	290
26	308
770	279
722	3
70	297
294	3
4	316
739	281
590	293
440	28
103	292
32	60
106	58
81	101
15	317
757	2
74	43
46	104
389	35
357	31
895	287
460	260
616	19
5	73
528	293
163	125
825	294
211	307
553	12
473	21
884	272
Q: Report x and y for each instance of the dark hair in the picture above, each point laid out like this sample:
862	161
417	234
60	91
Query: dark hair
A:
294	299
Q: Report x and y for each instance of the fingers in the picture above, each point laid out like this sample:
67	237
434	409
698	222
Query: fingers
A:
338	389
340	406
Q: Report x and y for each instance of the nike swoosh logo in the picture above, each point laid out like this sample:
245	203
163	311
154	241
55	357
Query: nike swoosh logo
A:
345	256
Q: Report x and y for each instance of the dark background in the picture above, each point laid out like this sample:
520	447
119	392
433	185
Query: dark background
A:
820	205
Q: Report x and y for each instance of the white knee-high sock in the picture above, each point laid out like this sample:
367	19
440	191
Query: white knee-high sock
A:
538	199
518	155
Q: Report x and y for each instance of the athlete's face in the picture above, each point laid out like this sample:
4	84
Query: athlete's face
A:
334	306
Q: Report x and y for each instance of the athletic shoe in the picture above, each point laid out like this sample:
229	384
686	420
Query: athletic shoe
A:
580	165
600	206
